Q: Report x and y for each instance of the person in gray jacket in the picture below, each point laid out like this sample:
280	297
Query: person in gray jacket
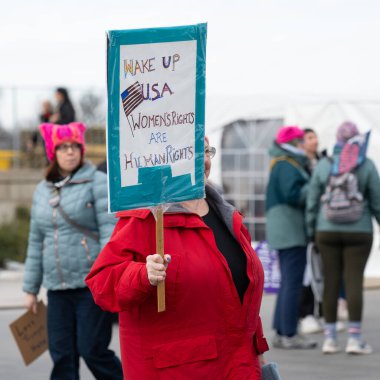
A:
345	245
69	226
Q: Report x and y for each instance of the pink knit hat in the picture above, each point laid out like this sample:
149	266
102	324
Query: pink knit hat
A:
346	131
289	133
55	135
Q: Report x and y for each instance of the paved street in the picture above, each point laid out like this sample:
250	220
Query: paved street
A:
294	365
11	364
313	365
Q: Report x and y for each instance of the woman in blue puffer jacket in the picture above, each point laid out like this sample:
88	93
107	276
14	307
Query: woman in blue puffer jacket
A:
69	226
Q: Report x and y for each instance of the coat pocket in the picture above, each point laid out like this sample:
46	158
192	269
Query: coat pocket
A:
185	351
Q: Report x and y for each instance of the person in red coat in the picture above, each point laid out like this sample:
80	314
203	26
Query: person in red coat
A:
211	328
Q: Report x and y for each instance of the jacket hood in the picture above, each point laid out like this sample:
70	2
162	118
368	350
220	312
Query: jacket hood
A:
278	151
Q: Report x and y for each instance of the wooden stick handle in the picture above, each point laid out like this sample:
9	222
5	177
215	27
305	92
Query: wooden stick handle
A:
160	251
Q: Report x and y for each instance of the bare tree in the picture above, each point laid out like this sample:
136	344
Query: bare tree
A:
92	108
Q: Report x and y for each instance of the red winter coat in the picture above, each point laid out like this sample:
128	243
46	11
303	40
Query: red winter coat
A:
205	332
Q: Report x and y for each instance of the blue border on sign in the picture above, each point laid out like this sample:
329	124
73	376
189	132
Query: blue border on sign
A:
124	198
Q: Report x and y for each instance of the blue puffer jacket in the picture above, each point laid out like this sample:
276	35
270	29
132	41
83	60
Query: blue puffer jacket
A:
59	256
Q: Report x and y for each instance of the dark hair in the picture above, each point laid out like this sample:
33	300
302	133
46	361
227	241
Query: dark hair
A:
52	171
308	130
64	93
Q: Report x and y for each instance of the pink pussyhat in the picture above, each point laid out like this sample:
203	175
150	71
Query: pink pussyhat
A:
289	133
346	131
54	135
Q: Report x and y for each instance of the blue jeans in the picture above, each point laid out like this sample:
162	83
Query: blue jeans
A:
77	327
292	268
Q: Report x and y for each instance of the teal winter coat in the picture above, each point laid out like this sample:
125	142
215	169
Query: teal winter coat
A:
59	256
369	186
286	199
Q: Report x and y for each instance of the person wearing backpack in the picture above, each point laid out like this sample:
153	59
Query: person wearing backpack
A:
286	231
343	196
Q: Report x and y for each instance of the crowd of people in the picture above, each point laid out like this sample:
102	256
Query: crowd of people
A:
93	266
327	201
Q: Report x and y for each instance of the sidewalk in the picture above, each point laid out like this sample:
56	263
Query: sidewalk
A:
11	294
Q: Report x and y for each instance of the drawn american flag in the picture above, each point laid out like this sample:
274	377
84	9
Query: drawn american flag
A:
131	98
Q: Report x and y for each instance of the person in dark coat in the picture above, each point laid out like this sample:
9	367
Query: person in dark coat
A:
65	112
286	231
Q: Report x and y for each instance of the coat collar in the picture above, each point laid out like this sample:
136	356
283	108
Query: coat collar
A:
178	216
82	175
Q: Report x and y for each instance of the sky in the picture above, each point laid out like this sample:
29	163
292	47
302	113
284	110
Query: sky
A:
253	46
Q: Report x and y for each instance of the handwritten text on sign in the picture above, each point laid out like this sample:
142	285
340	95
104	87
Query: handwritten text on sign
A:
157	112
30	333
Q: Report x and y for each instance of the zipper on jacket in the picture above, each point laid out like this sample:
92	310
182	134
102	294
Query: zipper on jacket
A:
85	246
56	254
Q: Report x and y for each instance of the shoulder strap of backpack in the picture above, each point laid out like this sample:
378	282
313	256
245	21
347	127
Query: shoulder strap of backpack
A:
291	161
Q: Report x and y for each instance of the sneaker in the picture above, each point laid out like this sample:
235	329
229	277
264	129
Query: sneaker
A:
276	341
294	342
355	346
330	346
310	325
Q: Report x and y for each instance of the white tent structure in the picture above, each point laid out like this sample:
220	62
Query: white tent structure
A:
254	121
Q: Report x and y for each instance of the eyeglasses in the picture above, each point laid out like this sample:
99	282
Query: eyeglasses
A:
210	151
65	147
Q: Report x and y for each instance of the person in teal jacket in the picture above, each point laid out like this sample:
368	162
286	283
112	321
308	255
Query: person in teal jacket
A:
286	231
345	247
69	226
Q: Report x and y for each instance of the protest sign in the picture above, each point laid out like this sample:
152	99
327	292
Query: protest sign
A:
271	265
156	110
155	122
30	333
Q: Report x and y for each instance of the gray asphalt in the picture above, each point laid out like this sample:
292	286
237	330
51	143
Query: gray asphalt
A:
313	365
293	364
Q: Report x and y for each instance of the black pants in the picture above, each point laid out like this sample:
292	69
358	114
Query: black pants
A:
344	257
